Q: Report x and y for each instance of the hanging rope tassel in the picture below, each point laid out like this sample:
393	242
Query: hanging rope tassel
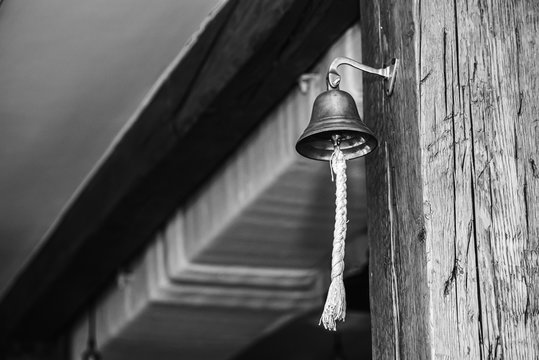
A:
335	307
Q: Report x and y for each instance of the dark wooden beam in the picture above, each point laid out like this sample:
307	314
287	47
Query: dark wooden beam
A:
246	60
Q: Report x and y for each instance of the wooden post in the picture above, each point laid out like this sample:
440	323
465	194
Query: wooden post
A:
454	185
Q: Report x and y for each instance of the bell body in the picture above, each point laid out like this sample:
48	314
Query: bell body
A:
335	116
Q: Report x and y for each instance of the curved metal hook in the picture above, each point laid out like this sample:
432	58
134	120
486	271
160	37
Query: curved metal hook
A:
388	73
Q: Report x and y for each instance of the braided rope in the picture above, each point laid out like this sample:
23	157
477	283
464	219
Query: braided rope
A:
335	307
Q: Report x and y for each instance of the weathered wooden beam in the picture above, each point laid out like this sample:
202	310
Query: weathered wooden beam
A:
244	61
454	185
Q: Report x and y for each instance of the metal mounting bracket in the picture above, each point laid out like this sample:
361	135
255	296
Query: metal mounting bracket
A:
389	73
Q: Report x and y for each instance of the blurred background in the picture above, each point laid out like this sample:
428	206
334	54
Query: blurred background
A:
119	237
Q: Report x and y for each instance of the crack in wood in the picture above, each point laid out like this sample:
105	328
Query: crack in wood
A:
520	98
515	149
426	77
394	279
535	170
527	308
422	234
469	237
474	70
526	207
444	56
475	235
456	271
493	349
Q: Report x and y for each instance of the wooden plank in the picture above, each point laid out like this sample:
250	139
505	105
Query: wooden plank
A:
397	260
180	136
454	186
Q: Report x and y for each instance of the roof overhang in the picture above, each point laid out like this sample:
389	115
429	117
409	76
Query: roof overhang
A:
245	59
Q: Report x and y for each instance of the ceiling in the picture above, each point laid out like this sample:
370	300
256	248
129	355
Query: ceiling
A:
71	74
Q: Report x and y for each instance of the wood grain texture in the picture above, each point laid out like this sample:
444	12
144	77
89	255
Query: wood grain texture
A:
397	258
208	101
454	246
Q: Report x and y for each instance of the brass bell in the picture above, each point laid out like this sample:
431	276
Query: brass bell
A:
335	120
335	116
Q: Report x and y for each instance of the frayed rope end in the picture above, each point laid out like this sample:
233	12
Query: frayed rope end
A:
335	307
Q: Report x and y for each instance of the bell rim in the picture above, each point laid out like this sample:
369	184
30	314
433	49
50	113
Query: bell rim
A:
303	144
352	124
